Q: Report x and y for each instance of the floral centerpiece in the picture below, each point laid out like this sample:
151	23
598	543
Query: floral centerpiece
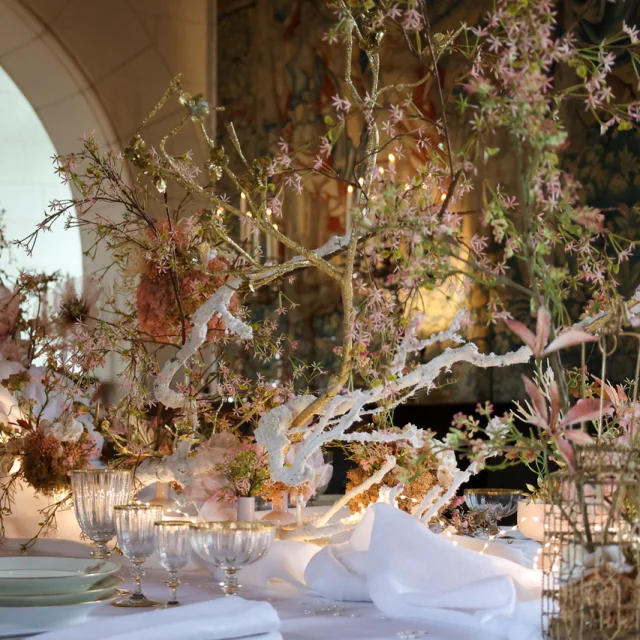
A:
182	306
48	409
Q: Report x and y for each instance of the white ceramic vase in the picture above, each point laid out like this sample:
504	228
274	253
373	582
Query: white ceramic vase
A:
531	519
246	509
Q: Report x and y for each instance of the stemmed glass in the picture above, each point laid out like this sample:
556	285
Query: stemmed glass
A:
95	494
173	544
136	539
231	546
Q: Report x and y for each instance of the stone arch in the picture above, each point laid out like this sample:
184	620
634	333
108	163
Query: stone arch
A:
53	84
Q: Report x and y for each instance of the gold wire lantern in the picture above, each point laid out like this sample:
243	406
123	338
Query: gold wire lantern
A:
591	550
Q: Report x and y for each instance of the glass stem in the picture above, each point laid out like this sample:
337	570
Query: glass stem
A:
137	573
100	550
230	585
173	583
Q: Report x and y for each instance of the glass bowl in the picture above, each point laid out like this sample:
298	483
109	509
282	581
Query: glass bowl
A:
501	502
231	546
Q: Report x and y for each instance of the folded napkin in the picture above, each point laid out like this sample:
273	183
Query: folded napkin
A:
222	619
409	572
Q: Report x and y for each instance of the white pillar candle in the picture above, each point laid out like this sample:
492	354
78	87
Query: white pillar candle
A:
244	227
349	206
272	246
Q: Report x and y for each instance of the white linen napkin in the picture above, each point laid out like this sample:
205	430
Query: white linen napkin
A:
409	572
222	619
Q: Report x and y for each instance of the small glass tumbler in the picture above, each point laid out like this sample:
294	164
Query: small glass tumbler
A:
95	494
173	544
136	538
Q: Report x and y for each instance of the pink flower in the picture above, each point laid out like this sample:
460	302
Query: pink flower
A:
538	415
632	32
538	343
412	20
9	310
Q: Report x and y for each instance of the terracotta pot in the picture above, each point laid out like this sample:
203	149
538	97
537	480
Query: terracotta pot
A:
279	513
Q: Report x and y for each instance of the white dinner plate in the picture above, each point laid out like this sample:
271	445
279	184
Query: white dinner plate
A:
106	587
16	619
41	575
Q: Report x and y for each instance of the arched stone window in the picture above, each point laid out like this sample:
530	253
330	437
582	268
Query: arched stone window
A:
28	183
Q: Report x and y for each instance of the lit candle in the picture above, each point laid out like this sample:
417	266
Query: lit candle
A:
272	246
247	234
349	206
244	227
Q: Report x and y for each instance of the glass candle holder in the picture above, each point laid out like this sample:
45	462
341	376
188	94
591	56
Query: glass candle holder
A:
173	544
136	539
95	494
231	546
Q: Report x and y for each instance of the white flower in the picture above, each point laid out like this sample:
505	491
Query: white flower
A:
67	430
497	429
447	467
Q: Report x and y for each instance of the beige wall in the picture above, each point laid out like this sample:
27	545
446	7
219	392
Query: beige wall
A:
127	51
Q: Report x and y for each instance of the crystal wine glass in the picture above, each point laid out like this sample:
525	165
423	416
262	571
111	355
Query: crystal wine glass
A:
173	544
231	546
136	538
95	493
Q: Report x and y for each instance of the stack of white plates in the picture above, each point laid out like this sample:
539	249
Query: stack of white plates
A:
39	592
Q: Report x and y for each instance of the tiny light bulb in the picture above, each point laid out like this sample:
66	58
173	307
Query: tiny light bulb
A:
350	189
243	196
361	181
381	170
275	226
219	211
248	214
269	212
392	158
443	197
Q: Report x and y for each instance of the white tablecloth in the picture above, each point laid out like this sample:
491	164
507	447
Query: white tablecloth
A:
304	615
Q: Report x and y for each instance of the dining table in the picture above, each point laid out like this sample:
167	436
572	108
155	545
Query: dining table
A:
304	615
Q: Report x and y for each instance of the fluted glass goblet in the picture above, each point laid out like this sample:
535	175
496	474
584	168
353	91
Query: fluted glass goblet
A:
95	494
135	527
231	546
173	544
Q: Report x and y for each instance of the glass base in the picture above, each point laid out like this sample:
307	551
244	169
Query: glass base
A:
136	602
